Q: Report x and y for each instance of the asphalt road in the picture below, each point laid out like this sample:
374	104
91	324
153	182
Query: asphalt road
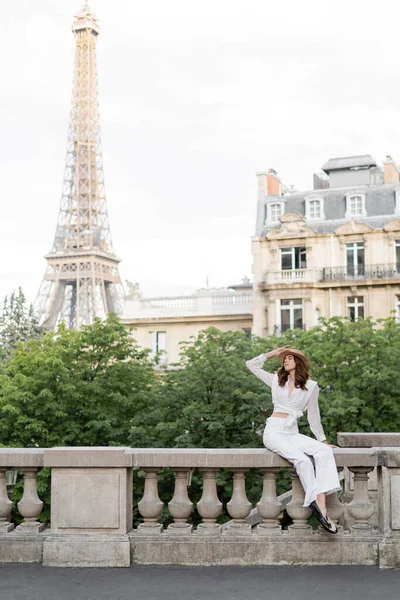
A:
34	582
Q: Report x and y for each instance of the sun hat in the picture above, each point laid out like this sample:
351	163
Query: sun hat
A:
286	351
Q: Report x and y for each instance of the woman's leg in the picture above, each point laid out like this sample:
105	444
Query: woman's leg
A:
281	443
326	475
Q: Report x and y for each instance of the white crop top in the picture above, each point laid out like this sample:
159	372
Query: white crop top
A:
299	400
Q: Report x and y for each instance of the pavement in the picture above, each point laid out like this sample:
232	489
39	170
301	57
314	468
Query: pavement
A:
34	582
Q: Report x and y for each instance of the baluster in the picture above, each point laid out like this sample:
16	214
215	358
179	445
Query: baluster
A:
361	508
295	509
180	506
209	507
334	508
5	505
239	507
269	508
150	506
30	506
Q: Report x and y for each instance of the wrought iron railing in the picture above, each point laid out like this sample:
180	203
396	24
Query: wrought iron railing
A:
361	272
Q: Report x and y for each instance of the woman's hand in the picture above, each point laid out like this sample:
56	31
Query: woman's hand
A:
331	445
275	352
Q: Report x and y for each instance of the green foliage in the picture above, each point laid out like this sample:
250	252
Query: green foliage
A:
356	366
18	323
75	388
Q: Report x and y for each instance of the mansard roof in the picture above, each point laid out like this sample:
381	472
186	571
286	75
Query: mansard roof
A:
379	205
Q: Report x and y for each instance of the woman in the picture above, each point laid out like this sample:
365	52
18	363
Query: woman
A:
292	393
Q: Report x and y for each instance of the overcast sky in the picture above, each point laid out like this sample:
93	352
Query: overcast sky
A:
195	97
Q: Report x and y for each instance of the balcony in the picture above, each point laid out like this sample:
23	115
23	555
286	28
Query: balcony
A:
291	276
361	273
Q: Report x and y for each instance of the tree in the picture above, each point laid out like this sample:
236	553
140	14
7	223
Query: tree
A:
356	365
18	322
210	400
75	388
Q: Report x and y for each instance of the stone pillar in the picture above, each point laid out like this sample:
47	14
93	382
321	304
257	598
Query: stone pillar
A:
361	508
209	507
295	509
30	506
180	506
91	507
150	506
239	507
5	504
269	508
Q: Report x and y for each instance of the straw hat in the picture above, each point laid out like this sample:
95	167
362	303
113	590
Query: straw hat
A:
286	351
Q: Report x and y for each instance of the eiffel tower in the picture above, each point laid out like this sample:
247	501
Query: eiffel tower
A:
81	281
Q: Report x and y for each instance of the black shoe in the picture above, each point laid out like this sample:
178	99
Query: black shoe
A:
325	521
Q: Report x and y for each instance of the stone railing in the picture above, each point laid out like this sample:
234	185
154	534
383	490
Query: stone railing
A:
185	306
92	501
291	276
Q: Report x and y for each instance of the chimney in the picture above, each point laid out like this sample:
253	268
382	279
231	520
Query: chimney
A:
269	182
391	172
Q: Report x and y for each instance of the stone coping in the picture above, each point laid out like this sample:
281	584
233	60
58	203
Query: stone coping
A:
246	458
187	458
347	439
388	457
21	457
87	456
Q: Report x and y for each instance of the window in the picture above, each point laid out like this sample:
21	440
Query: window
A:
291	314
355	307
397	258
293	258
274	211
397	202
158	341
355	259
315	209
398	308
355	206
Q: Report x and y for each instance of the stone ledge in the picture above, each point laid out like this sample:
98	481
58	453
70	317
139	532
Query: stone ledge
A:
247	458
19	548
347	439
314	549
90	456
21	457
86	551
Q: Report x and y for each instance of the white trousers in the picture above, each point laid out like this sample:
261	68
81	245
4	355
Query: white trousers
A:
297	449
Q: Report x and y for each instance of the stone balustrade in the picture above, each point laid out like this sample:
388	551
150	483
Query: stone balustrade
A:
92	499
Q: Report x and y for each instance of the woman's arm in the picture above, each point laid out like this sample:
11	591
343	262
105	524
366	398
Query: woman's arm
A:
255	366
314	417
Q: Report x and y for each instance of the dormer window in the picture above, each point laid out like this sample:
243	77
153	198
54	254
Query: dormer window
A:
397	203
355	206
315	209
274	211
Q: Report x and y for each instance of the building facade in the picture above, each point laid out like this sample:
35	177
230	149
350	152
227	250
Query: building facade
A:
161	324
333	250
